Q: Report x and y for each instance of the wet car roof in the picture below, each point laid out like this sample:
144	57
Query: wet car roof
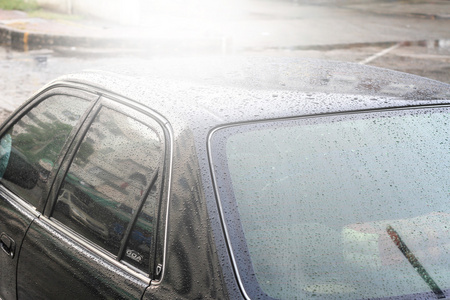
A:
230	89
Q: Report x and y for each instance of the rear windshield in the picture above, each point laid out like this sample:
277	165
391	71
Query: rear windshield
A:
344	206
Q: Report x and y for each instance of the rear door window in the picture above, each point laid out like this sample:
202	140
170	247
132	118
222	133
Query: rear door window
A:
110	191
31	147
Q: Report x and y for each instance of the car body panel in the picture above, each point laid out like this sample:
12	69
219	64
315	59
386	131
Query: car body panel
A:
229	90
15	218
54	265
193	270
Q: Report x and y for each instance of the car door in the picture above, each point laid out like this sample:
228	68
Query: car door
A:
96	236
31	144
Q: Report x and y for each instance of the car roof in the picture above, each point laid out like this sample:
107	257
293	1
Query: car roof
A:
218	90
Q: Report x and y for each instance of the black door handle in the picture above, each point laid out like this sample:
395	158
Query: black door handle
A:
7	244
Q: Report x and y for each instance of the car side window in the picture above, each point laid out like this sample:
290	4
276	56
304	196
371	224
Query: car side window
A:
110	190
30	148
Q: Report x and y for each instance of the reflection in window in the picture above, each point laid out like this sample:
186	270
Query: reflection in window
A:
108	178
29	150
320	200
139	243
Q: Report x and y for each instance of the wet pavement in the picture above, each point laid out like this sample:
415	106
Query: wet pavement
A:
24	73
287	25
428	58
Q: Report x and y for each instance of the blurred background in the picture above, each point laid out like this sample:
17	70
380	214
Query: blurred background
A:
42	39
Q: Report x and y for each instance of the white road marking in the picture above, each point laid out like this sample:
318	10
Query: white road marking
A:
379	54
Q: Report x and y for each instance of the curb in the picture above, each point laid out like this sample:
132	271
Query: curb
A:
21	40
24	41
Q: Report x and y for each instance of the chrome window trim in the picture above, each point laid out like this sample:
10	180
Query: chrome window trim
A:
169	185
19	201
223	222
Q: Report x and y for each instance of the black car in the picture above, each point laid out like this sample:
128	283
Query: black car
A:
228	178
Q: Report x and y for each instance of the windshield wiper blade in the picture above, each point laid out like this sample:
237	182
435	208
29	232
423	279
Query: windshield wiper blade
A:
395	237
